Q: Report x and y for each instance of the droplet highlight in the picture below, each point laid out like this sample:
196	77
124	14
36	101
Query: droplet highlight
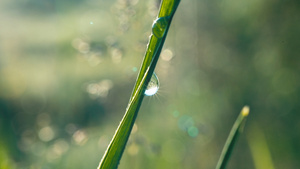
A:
159	26
153	86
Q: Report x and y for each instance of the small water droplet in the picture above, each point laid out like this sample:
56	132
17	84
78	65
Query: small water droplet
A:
91	23
159	26
153	86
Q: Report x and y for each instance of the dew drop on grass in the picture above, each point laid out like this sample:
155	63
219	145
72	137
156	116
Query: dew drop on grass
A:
159	26
153	86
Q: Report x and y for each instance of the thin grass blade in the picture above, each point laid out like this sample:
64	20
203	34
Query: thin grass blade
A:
232	138
113	154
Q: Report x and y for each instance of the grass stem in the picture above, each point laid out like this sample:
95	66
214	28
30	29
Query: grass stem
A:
232	138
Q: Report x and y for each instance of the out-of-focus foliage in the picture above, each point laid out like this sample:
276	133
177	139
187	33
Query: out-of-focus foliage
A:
67	69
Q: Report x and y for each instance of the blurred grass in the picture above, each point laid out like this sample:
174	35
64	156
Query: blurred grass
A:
57	70
231	141
259	148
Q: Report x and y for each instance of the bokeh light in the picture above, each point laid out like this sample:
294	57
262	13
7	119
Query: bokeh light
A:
67	69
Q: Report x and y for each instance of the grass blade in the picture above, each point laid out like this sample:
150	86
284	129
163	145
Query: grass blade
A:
232	138
113	154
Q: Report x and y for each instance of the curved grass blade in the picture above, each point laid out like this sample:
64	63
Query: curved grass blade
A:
232	138
115	149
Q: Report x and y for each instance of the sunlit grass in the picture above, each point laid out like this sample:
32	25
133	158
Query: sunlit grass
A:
160	27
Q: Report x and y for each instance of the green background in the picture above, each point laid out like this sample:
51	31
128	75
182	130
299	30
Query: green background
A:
67	69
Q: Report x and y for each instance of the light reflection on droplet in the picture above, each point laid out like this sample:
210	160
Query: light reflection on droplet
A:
153	86
159	26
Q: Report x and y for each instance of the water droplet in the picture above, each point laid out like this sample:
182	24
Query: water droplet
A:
159	26
153	86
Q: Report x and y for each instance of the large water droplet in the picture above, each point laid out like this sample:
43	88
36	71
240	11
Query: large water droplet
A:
159	26
153	86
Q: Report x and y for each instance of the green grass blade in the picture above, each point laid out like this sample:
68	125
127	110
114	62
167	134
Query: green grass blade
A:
232	138
167	9
112	156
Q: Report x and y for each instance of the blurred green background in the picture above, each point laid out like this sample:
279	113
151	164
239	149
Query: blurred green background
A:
67	69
